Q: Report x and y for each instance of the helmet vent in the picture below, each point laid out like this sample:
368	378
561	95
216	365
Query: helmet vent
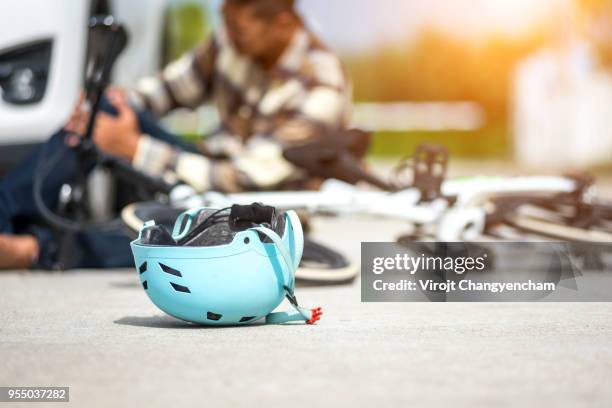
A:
145	285
246	319
180	288
213	316
171	271
142	268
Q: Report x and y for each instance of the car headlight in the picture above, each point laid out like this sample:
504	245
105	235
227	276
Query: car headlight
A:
24	72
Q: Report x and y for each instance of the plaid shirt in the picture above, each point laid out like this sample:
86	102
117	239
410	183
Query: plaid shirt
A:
261	112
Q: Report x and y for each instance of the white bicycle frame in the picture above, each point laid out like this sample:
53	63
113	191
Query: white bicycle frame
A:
462	220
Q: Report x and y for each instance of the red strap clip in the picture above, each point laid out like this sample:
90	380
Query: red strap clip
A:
316	316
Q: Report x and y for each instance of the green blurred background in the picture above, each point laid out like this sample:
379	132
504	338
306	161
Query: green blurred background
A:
432	64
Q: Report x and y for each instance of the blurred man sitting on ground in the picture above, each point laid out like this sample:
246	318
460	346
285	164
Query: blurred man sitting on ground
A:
275	86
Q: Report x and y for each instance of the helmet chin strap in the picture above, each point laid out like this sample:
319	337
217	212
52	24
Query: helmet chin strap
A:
309	316
299	314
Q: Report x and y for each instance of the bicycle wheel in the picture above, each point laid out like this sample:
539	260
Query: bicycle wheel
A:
554	217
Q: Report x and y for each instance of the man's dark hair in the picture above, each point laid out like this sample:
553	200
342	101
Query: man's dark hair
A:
267	8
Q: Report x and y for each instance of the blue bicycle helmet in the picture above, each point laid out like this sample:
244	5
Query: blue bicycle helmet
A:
223	267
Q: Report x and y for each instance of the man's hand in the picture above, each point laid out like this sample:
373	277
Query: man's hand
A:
118	135
79	117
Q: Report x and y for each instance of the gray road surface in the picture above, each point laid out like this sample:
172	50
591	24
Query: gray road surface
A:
98	333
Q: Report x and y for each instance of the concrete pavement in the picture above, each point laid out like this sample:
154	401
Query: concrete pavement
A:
97	332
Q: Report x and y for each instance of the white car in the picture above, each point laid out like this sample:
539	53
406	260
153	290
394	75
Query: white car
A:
42	53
